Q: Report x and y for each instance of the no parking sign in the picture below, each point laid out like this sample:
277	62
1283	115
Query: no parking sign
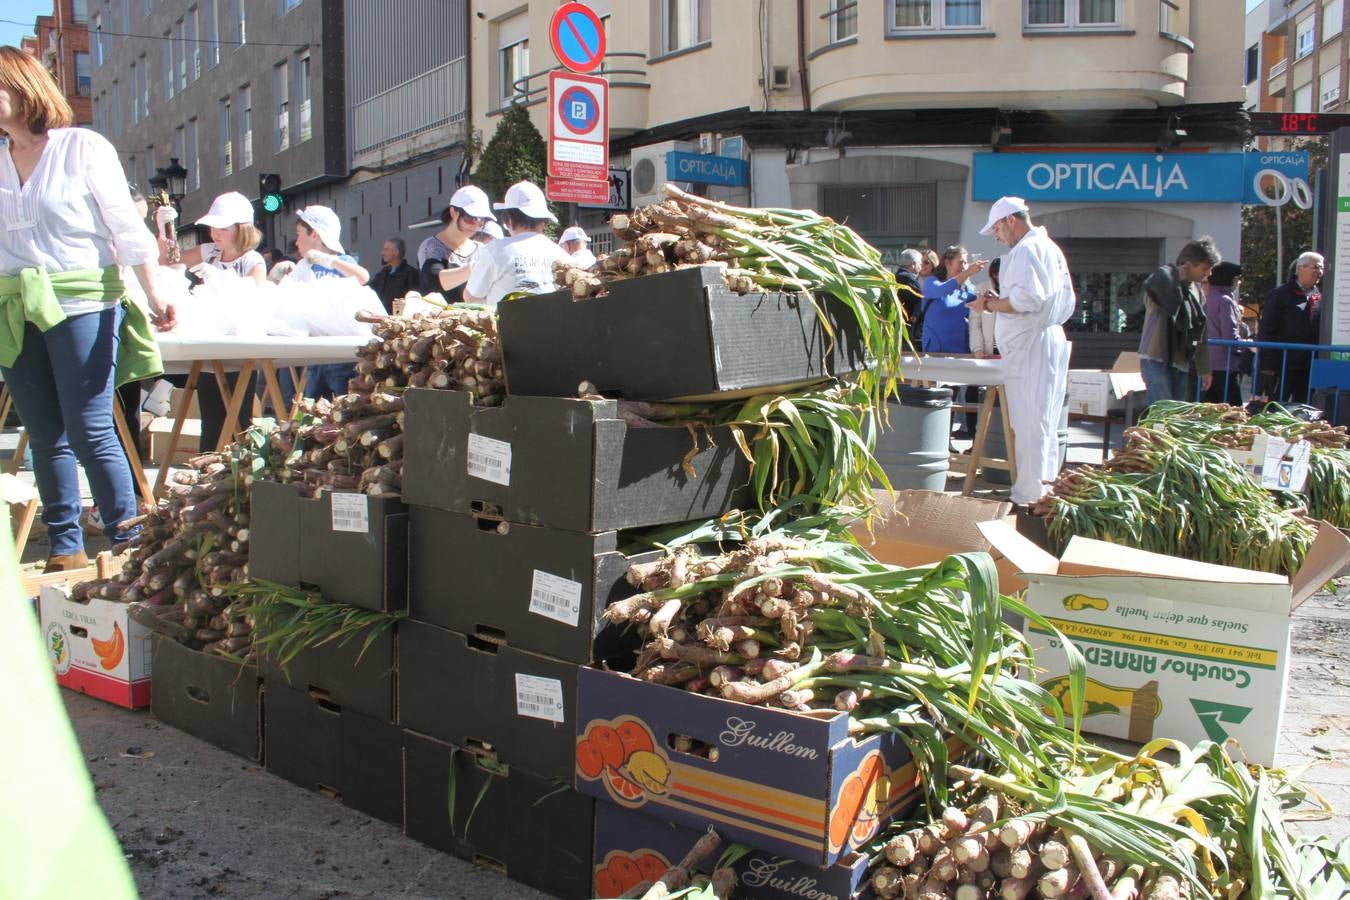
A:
578	145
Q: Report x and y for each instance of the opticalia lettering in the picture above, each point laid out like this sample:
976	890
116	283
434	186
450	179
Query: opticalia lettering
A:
764	873
740	733
1157	176
1196	671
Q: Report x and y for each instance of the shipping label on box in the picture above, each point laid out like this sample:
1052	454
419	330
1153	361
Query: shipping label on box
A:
1090	393
790	784
95	648
1274	463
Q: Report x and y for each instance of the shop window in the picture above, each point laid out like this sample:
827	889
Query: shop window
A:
1108	277
1057	14
936	15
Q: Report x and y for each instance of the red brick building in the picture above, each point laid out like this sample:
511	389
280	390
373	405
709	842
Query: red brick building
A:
62	45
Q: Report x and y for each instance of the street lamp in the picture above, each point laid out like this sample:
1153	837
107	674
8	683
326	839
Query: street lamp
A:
177	179
158	183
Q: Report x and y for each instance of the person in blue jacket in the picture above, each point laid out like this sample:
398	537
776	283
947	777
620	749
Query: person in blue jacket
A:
946	327
945	295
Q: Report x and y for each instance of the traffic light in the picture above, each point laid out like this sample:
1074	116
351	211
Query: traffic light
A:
269	193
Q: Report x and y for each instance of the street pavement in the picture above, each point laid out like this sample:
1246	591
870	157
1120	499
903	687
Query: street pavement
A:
196	821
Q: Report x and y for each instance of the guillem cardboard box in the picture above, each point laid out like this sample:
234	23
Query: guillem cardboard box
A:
1174	648
1096	392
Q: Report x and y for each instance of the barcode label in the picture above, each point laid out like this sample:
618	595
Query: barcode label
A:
489	459
349	513
539	698
555	598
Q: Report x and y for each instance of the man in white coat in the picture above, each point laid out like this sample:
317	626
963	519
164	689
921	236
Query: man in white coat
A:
1037	298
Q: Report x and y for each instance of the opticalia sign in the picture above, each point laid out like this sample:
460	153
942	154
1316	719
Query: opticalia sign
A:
1131	177
706	169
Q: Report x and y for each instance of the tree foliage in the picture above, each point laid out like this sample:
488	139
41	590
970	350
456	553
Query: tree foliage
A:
516	152
1258	231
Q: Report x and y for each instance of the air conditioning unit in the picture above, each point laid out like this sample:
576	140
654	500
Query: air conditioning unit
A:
648	165
707	143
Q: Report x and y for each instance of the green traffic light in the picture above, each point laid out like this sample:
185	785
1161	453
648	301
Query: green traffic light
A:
271	203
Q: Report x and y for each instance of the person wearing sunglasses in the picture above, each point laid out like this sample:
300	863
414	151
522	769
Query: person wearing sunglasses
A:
445	259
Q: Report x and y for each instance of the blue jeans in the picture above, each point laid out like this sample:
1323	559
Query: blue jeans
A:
62	384
1165	382
329	380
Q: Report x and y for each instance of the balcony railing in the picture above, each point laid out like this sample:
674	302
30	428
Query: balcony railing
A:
533	88
1278	69
419	104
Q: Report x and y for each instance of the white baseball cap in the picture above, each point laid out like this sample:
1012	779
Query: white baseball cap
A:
1002	208
527	198
575	233
325	224
228	209
473	201
492	229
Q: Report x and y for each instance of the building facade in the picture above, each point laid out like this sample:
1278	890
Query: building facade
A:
348	105
890	113
62	45
1306	54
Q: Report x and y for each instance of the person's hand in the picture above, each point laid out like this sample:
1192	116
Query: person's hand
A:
165	215
319	258
979	304
1206	381
976	266
162	315
204	271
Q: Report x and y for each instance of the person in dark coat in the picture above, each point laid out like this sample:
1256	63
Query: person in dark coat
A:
397	277
910	290
1292	314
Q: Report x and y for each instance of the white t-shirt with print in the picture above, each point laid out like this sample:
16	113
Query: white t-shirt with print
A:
522	262
241	266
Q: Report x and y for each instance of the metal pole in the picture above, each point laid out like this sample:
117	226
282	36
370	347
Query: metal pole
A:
1279	246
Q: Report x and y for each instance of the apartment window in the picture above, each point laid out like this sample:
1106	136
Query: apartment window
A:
180	54
191	46
288	5
179	145
97	107
843	18
514	64
684	23
98	39
927	15
211	32
169	80
143	73
148	7
149	165
1329	89
1071	13
1253	67
1332	14
133	86
133	172
115	107
1303	98
245	127
125	21
239	22
282	92
1303	44
306	118
192	163
226	144
84	84
79	11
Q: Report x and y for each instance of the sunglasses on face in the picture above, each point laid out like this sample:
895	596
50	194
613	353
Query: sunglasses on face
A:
473	220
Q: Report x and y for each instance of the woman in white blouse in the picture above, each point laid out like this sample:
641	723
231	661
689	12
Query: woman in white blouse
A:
66	330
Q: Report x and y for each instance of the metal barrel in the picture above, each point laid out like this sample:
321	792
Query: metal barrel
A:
913	449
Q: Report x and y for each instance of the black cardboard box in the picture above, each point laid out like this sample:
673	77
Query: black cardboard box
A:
682	334
537	589
473	693
534	830
358	556
341	673
564	463
207	696
323	747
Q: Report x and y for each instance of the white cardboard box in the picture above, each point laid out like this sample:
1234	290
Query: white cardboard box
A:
74	634
1095	392
1174	648
1274	463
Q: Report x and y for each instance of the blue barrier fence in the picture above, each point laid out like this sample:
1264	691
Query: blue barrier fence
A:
1315	368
